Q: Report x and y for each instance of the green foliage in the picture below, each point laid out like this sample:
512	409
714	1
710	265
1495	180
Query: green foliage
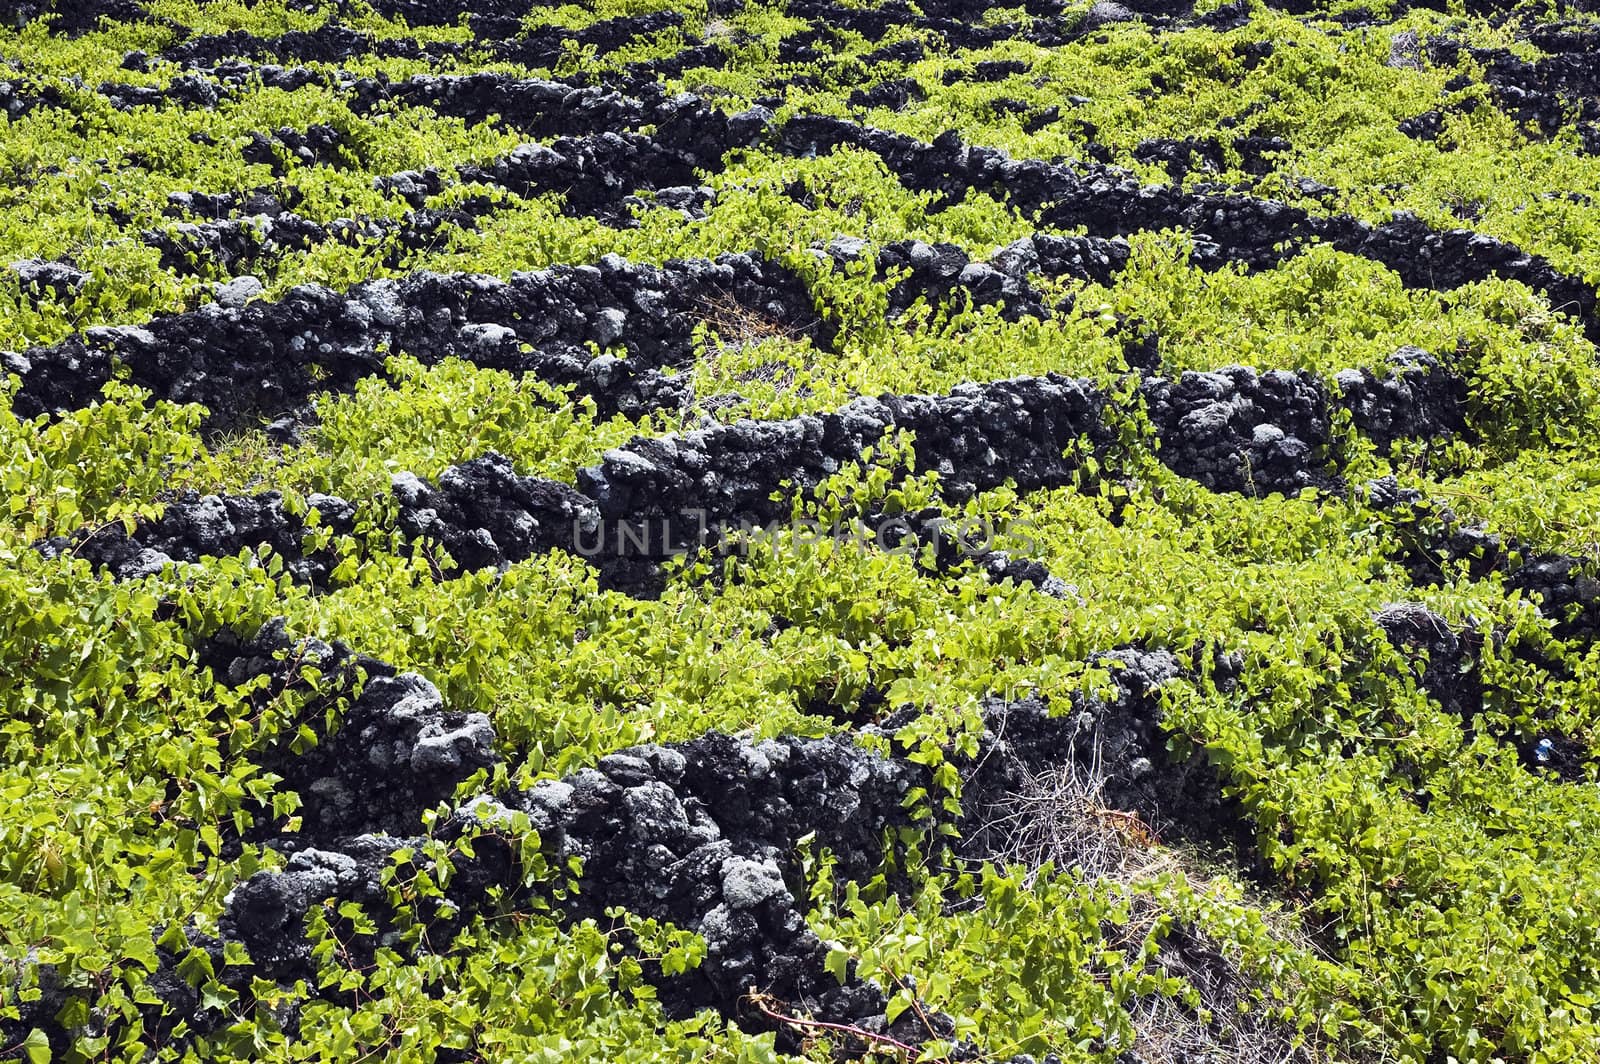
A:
1048	961
1449	889
101	465
422	420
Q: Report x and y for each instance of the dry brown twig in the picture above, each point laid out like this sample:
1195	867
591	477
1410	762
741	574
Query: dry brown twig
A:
770	1007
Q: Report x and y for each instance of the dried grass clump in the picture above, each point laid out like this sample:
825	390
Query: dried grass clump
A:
1058	817
735	336
740	326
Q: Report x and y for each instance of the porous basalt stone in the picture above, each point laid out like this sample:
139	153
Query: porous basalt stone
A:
656	497
71	18
268	356
396	751
484	514
704	834
52	280
193	526
1231	228
1418	399
1241	430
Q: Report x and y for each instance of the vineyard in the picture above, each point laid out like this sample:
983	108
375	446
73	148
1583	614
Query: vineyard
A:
800	530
